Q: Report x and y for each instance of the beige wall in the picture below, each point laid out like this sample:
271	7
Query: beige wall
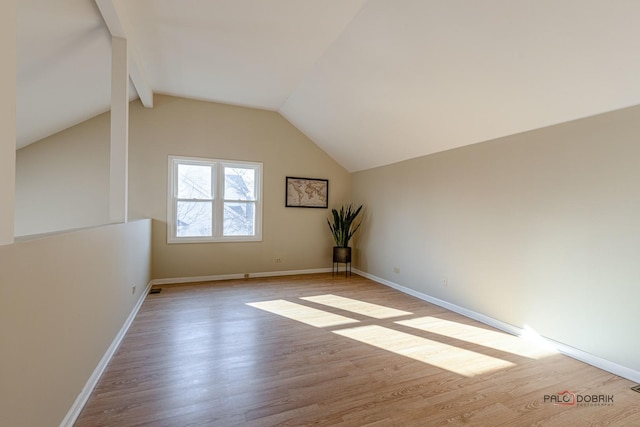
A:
7	120
62	182
176	126
539	229
63	299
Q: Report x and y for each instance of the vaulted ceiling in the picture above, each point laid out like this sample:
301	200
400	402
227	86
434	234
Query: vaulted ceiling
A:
372	82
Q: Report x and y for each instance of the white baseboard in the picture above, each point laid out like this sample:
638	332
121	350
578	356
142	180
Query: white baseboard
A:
195	279
91	383
573	352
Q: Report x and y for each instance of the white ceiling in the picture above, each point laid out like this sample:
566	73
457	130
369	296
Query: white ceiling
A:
372	82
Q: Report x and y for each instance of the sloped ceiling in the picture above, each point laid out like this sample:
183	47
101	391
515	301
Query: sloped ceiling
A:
372	82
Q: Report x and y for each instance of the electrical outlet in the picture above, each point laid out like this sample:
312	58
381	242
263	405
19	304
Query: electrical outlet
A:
445	282
278	261
133	290
396	270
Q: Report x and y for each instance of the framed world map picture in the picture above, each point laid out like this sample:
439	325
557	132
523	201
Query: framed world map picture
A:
307	193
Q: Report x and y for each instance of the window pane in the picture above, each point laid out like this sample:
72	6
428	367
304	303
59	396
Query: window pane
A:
194	182
239	183
239	219
193	219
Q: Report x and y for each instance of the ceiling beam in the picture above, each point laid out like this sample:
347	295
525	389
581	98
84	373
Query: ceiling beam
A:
115	19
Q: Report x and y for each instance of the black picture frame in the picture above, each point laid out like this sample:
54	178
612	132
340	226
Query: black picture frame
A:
306	192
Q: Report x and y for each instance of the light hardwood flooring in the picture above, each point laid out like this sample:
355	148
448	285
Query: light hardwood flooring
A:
335	351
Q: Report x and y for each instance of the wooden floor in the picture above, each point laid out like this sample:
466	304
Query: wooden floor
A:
323	351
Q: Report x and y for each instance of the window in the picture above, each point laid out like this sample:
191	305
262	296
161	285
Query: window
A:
214	200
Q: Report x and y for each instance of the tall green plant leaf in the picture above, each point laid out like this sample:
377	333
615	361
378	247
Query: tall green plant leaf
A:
343	227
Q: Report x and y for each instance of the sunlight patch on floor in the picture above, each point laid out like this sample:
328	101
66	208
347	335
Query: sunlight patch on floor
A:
460	361
473	334
355	306
531	335
302	313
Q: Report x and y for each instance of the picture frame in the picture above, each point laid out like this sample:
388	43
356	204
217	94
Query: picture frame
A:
306	192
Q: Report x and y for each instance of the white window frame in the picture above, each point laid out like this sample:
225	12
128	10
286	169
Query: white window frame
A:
217	182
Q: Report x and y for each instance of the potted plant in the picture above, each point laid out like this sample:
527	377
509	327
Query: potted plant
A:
342	228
